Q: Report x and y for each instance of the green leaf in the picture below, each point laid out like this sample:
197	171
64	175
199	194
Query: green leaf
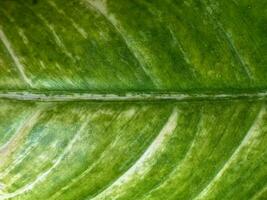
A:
133	99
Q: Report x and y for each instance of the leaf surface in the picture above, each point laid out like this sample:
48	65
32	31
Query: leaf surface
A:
149	100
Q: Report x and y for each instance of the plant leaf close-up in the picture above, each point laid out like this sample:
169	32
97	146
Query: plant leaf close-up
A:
133	99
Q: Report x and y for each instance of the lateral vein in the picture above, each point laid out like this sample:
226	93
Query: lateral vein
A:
14	57
142	164
247	140
99	7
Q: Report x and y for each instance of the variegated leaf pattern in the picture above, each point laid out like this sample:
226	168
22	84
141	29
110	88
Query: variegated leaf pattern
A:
133	150
133	99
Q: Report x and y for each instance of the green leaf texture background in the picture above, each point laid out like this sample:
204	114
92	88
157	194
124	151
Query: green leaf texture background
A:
133	99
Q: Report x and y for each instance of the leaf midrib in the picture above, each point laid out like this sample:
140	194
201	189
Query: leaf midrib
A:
58	96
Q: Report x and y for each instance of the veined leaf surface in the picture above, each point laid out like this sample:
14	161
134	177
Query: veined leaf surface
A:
133	99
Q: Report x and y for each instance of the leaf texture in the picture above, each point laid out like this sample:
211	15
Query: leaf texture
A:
133	99
112	151
117	46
